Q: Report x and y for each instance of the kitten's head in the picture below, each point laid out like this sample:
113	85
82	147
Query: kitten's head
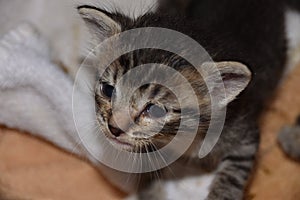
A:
150	116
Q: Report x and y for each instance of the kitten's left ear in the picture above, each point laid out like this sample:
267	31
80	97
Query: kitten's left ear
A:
100	22
235	76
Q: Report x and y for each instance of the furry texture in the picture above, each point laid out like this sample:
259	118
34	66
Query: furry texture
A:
28	83
250	32
224	40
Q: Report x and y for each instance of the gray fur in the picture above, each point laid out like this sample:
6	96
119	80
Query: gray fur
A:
234	155
289	139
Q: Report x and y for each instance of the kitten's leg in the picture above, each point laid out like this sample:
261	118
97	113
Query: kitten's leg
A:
234	171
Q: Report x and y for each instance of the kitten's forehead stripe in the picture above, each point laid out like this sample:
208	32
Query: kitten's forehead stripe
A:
144	88
115	74
167	96
155	90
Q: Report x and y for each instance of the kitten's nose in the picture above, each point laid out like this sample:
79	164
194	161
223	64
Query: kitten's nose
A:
115	131
119	123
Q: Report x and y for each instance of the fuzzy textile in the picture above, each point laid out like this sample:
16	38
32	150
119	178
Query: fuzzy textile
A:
36	95
33	95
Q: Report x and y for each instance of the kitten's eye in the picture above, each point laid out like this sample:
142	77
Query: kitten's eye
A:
107	90
155	111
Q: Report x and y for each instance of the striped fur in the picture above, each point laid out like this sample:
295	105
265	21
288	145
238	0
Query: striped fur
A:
230	31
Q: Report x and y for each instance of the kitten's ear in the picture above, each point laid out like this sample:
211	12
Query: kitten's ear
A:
100	22
236	77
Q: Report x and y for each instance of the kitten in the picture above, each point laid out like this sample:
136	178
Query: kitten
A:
236	34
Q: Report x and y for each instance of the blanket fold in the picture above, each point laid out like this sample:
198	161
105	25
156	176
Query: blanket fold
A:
35	94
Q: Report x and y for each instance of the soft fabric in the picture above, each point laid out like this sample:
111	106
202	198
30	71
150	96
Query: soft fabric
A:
36	95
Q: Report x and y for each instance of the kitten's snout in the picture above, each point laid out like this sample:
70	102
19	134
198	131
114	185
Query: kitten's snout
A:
120	126
115	131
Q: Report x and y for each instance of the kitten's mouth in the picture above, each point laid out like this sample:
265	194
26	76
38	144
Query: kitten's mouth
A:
126	145
119	141
124	142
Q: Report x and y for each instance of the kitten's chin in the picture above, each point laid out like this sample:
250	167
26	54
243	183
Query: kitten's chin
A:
122	145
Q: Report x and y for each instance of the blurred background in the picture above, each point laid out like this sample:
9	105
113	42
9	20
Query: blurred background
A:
59	22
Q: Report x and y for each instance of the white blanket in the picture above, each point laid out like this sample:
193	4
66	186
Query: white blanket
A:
35	95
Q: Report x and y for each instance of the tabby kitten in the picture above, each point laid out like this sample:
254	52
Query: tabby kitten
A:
247	41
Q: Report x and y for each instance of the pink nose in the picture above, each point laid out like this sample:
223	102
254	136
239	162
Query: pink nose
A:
120	120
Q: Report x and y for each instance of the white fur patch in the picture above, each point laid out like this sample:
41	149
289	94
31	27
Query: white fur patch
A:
293	36
192	188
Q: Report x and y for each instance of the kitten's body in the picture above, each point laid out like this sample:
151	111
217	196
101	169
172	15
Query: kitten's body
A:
251	32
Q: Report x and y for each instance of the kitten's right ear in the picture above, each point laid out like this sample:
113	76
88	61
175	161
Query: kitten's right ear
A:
235	77
100	22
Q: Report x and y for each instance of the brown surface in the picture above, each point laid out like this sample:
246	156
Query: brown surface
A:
36	170
278	177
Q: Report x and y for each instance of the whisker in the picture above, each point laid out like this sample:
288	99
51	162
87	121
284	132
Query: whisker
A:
167	166
79	142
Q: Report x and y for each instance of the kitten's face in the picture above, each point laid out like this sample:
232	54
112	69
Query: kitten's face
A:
138	126
149	118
